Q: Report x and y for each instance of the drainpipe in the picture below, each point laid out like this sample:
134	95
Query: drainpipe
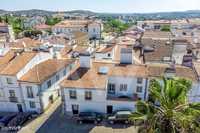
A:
146	90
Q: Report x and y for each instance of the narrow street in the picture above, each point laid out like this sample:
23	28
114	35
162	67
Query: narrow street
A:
34	125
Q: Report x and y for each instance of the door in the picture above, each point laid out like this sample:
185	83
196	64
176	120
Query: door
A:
51	99
19	106
75	109
109	109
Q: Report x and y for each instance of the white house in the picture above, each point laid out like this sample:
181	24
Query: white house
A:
13	67
153	24
40	84
93	28
33	21
105	52
111	86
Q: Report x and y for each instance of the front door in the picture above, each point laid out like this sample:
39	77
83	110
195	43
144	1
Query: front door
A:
109	109
19	106
75	109
51	99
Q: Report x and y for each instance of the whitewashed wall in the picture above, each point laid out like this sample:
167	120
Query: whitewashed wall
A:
122	105
100	56
96	104
94	30
131	86
6	105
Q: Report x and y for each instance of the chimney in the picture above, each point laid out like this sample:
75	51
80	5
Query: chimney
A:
126	56
85	60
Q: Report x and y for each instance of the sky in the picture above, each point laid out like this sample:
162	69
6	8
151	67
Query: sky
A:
109	6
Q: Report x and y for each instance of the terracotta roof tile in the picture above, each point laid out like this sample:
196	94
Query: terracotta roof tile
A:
161	50
158	70
92	79
14	66
87	78
129	70
44	70
25	43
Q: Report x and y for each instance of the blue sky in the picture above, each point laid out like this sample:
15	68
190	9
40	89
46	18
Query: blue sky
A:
115	6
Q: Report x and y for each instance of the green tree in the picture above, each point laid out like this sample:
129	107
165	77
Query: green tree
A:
168	111
6	19
166	28
52	20
113	25
17	24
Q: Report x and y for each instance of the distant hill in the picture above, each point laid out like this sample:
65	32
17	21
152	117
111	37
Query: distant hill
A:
34	12
156	15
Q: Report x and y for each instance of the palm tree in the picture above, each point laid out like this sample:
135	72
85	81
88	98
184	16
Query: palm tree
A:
168	109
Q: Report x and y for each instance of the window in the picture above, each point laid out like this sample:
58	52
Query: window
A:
139	89
49	84
139	80
12	93
57	77
64	72
111	88
29	91
94	30
72	94
32	104
88	95
123	87
1	93
9	81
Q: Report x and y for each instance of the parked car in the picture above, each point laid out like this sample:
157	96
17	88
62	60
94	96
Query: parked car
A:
17	122
120	117
6	119
89	117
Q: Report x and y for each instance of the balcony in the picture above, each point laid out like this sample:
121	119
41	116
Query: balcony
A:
114	97
13	99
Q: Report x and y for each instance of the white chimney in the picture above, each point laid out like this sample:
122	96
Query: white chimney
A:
126	56
85	60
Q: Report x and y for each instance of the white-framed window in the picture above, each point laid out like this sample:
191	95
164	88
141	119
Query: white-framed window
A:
139	89
57	77
1	93
123	87
32	104
9	81
29	92
12	93
111	88
139	80
88	95
49	84
72	94
64	72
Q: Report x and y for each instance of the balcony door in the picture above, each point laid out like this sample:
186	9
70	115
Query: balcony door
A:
109	109
19	106
75	109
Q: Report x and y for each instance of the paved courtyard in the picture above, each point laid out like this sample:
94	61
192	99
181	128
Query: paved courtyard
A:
59	123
